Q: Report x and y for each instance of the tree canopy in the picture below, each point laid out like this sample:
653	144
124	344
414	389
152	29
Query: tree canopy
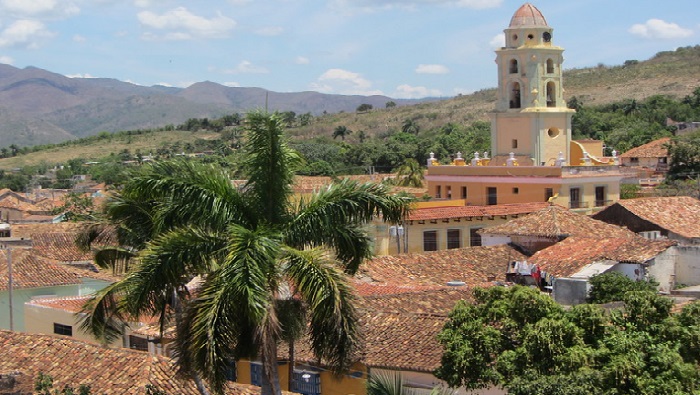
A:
521	340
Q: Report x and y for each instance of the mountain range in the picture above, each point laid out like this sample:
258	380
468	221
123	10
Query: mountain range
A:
40	107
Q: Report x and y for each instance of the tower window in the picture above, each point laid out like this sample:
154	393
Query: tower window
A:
551	95
516	190
530	36
513	66
547	37
515	96
553	132
514	143
550	66
464	192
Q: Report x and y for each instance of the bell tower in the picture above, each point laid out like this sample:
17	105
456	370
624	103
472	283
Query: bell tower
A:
531	119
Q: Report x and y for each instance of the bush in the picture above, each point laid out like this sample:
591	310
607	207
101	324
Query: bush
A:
611	287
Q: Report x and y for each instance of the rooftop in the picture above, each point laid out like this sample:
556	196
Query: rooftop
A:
555	222
31	271
527	15
432	213
570	256
654	149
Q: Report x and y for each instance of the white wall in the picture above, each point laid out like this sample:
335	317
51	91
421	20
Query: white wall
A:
688	265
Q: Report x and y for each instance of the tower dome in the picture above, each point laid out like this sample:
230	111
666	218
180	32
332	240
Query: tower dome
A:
527	15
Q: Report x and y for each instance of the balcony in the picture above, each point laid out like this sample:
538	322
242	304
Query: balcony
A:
578	204
603	203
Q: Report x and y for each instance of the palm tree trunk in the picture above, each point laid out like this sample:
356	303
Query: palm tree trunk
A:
270	377
290	384
199	383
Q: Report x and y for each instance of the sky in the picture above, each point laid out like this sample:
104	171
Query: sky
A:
398	48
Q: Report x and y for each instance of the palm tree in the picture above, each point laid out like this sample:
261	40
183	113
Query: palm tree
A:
341	131
410	174
410	126
255	249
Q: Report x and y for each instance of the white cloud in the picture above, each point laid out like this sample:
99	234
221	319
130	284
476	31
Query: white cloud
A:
24	33
79	39
270	31
344	82
302	60
657	28
498	41
80	76
232	84
6	60
39	8
373	5
181	24
415	92
246	67
432	69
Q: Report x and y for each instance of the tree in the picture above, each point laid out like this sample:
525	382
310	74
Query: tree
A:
522	341
410	174
684	157
364	107
390	104
341	131
610	287
410	126
255	248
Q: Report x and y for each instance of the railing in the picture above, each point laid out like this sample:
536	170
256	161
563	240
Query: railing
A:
578	204
602	203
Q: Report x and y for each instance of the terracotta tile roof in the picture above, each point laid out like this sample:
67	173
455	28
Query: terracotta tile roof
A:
71	304
475	211
367	289
527	15
654	149
32	271
677	214
28	230
314	183
59	246
573	254
431	301
557	221
471	265
107	371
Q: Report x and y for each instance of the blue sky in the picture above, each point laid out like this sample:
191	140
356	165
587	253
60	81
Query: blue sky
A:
398	48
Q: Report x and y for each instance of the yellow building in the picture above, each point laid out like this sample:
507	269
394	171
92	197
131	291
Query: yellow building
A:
533	156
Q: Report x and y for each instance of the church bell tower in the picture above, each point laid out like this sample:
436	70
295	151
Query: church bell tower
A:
531	119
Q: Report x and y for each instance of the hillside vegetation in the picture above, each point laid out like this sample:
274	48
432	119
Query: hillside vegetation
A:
614	102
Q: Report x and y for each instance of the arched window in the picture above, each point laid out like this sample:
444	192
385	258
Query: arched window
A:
550	66
515	95
513	66
551	94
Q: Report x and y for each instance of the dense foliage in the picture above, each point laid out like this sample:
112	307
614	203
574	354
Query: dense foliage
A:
612	286
521	340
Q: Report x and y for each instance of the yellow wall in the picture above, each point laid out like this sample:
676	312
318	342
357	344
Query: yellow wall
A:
40	319
415	232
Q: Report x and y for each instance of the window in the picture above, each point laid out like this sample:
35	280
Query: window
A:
454	238
516	190
492	196
256	374
550	66
231	370
307	383
464	192
513	66
553	132
138	343
551	94
438	191
575	197
430	240
634	161
61	329
474	237
548	193
515	96
514	143
448	192
599	196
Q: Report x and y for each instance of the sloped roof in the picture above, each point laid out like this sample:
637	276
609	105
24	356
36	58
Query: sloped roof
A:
654	149
573	254
107	371
71	304
431	213
557	221
527	15
677	214
59	246
32	271
29	230
471	265
427	301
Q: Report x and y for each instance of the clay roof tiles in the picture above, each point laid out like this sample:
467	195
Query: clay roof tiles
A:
571	255
432	213
107	371
677	214
32	271
557	221
654	149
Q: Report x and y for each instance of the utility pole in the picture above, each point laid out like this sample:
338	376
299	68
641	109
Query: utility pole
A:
8	244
